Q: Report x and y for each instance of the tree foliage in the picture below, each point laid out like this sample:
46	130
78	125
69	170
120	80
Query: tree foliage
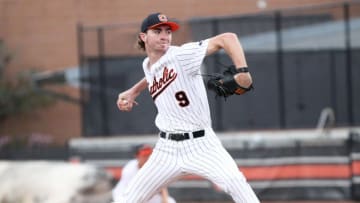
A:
17	95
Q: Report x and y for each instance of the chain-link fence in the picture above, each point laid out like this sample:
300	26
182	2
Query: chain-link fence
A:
302	61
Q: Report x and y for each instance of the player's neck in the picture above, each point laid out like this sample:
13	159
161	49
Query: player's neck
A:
154	56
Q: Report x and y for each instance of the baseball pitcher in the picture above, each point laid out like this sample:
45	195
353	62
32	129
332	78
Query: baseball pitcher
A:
187	143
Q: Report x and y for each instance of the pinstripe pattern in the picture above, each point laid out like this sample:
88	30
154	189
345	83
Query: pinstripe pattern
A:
161	169
208	158
180	97
185	62
203	156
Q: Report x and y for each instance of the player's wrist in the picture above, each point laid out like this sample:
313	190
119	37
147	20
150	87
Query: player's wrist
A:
242	69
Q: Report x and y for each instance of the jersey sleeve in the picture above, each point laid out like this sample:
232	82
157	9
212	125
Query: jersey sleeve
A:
191	56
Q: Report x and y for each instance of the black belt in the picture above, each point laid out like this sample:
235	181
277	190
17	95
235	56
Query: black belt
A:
182	136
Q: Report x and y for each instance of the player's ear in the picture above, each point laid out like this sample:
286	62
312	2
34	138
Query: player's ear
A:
142	36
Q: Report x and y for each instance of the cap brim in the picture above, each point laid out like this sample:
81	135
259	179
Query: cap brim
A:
173	26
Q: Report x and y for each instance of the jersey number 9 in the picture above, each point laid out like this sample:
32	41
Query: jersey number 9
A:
182	99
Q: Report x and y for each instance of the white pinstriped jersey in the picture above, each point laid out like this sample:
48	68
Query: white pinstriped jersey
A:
177	88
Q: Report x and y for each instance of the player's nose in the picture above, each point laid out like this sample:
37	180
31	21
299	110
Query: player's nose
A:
164	36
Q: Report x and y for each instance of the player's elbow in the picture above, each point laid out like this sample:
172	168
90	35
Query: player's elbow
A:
221	41
229	37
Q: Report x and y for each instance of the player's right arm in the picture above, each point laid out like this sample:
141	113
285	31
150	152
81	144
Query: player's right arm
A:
126	99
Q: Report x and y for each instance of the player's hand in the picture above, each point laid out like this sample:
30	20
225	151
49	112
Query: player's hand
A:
126	101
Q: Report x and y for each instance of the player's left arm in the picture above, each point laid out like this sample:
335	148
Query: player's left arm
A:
230	43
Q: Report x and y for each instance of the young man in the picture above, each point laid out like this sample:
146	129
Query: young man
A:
187	143
142	154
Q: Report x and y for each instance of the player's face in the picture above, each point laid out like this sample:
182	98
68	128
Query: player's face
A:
159	38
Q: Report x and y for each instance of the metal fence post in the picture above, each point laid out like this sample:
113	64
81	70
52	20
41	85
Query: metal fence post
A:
348	63
102	82
80	43
218	102
279	47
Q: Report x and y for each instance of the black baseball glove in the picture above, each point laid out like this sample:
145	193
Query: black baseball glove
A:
224	84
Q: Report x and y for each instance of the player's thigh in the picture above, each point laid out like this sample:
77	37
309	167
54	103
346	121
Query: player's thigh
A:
215	164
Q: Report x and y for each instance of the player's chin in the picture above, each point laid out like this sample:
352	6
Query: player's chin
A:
164	47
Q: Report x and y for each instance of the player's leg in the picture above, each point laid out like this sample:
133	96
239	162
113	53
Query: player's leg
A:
210	160
157	172
232	179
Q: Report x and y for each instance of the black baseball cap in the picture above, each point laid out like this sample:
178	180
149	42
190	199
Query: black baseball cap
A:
157	19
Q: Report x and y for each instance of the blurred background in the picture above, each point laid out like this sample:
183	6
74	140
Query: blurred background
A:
296	137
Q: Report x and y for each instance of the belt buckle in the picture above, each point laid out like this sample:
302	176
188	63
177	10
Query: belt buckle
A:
177	136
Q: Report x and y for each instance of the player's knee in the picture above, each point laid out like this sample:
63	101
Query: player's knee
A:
234	182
